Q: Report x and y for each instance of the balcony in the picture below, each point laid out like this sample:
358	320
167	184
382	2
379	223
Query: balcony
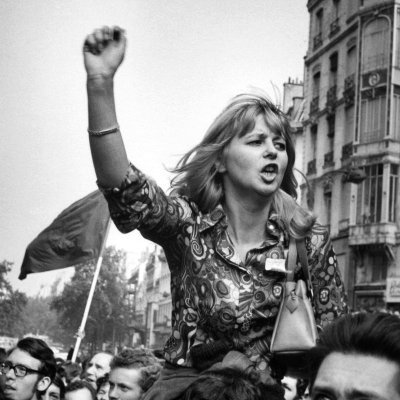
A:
328	160
331	99
312	167
347	151
344	226
349	90
374	233
334	27
314	105
317	41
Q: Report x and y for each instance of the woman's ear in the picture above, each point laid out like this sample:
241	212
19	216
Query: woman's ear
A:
220	166
44	384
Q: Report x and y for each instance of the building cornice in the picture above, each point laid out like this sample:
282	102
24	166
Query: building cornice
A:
312	4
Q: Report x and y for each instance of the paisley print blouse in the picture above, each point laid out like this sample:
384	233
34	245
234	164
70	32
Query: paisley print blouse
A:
215	295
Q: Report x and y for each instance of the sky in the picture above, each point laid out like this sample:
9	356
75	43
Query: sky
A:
185	59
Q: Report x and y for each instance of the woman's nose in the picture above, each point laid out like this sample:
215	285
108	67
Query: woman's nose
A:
270	150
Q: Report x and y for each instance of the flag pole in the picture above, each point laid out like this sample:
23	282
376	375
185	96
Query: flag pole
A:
81	330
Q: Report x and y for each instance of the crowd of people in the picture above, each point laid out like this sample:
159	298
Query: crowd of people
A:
357	356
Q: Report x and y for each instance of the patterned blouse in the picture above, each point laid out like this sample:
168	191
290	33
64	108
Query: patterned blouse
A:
214	294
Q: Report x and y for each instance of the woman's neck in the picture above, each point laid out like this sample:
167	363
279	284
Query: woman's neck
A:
246	221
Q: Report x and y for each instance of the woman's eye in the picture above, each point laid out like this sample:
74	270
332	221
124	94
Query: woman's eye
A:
280	145
255	142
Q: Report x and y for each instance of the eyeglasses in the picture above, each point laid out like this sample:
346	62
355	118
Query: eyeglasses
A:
19	370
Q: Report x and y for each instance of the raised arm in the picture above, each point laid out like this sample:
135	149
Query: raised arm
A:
103	53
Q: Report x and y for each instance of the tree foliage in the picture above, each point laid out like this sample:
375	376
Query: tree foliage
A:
108	316
12	302
37	318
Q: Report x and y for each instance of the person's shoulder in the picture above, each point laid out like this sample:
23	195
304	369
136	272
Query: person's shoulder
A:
188	208
319	235
320	229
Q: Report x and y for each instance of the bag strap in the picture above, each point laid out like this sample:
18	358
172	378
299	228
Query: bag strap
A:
301	249
291	259
298	247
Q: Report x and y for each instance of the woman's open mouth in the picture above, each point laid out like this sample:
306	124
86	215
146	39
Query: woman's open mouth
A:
269	172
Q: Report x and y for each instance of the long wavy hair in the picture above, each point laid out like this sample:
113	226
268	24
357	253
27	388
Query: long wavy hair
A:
197	175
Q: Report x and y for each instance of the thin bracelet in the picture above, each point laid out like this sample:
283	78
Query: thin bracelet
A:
103	132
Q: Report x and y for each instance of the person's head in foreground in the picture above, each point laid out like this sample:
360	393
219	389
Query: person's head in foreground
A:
97	367
70	371
28	370
231	384
133	372
80	390
56	391
358	357
103	387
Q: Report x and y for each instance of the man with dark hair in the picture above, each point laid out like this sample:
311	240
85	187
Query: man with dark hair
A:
80	390
70	371
98	366
231	384
358	356
55	391
28	369
133	372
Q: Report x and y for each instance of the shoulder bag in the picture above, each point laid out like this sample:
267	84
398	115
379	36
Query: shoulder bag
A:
295	330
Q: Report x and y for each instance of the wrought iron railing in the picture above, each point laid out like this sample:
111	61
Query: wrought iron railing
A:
312	167
349	90
347	151
334	27
314	105
317	41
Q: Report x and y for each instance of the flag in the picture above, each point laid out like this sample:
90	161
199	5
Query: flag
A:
74	237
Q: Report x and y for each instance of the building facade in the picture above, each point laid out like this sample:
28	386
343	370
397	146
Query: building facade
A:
150	324
293	107
352	141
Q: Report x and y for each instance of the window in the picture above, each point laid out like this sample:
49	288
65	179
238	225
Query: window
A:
331	136
369	196
317	40
328	207
319	21
334	27
314	106
313	147
336	5
375	45
351	62
349	116
379	270
393	188
373	119
333	61
395	131
316	84
397	40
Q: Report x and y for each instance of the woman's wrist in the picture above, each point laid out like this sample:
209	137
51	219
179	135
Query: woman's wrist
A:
99	81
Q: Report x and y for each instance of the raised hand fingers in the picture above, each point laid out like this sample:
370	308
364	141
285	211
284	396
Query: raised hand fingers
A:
101	38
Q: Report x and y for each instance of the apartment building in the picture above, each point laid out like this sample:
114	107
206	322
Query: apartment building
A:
352	141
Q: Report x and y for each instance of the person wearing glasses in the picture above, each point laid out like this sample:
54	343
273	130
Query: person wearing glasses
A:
28	370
